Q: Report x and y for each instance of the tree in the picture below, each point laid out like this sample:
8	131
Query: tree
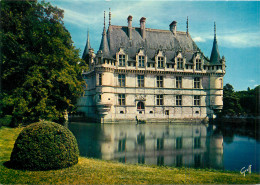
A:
40	68
231	105
249	101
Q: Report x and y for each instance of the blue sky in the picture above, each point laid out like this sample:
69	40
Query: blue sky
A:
238	28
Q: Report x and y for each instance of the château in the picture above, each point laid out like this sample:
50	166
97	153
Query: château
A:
151	75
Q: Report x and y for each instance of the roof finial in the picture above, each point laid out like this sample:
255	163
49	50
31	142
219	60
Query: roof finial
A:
215	35
187	24
104	30
109	17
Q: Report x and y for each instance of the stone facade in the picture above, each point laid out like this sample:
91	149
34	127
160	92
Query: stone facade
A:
152	75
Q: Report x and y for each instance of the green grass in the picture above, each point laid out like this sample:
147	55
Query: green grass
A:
92	171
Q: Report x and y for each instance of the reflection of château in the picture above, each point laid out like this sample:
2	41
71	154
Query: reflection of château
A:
150	74
191	146
160	144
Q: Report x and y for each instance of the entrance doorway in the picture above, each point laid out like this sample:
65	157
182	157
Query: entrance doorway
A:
140	105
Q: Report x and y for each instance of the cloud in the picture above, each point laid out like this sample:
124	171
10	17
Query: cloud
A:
79	19
252	81
235	39
199	39
242	40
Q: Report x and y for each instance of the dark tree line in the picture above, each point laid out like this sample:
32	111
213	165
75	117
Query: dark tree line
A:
40	68
241	102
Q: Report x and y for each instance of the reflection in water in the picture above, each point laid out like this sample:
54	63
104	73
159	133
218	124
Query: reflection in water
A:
195	146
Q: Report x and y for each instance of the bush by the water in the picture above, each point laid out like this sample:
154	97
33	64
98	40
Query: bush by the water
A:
44	146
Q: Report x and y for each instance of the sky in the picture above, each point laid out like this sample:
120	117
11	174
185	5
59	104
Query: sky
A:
237	24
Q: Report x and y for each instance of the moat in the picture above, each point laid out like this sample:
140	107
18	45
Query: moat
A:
181	145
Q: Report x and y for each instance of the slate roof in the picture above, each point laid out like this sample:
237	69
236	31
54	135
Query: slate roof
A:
164	40
215	57
116	37
87	47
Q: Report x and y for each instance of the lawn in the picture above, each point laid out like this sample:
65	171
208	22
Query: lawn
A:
93	171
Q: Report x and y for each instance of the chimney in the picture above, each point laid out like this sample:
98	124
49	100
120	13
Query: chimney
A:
129	19
142	26
173	27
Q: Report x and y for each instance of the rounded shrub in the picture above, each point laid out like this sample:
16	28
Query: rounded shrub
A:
44	146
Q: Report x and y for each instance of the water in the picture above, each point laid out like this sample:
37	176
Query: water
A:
187	145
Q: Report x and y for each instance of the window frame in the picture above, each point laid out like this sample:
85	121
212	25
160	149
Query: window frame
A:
160	61
140	80
178	82
198	65
121	80
141	61
121	99
178	100
196	99
180	63
159	99
121	60
100	79
197	82
159	81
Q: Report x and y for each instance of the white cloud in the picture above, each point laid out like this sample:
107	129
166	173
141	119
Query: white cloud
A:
235	39
199	39
79	19
251	81
242	40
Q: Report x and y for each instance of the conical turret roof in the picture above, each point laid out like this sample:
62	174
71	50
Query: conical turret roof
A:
215	57
87	47
104	43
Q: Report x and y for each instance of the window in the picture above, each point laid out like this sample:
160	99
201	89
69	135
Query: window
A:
196	100
141	159
159	99
160	62
121	99
197	82
151	112
160	143
159	81
167	112
196	142
141	139
179	100
141	61
140	105
140	79
122	145
198	64
179	63
178	160
121	60
121	80
179	143
160	160
197	160
100	79
178	82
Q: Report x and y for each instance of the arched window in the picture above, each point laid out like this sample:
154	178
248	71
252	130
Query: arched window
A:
140	105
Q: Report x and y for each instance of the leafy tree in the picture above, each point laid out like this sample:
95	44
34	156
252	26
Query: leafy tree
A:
40	68
231	105
249	100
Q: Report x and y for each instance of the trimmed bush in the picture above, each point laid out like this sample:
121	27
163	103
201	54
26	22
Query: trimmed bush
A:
44	146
